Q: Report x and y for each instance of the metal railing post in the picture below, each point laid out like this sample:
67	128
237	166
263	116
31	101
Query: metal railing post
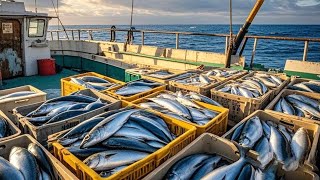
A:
305	52
177	40
142	38
51	33
72	34
79	35
253	51
58	36
90	36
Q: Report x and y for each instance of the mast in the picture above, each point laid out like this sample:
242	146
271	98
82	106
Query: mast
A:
232	50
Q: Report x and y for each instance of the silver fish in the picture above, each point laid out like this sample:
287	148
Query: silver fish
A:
17	94
208	165
300	144
205	99
173	106
229	172
3	127
185	168
264	150
204	79
286	107
251	133
186	102
247	173
94	79
132	90
108	160
281	148
41	158
8	171
106	128
128	144
25	162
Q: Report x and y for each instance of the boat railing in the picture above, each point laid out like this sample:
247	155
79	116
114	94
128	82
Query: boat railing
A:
87	34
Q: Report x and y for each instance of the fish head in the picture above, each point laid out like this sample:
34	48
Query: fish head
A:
93	161
91	139
173	176
14	150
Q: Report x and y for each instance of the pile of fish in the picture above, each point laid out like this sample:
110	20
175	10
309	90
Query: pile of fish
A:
5	130
62	108
198	80
252	87
161	74
23	164
182	107
93	82
212	167
223	73
299	105
142	71
117	139
136	87
20	94
310	86
271	140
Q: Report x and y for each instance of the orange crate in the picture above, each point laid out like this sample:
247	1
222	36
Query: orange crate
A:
217	125
185	132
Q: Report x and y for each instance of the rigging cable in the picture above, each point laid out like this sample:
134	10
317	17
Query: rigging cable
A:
55	10
231	30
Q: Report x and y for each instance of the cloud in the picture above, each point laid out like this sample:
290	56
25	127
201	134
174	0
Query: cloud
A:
181	11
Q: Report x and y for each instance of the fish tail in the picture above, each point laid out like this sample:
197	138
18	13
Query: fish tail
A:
242	150
291	165
264	160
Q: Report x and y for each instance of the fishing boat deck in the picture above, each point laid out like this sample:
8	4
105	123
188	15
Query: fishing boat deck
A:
48	84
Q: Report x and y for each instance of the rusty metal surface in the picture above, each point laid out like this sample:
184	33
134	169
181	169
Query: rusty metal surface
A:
11	63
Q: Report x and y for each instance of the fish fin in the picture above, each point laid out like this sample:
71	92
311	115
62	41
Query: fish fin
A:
291	165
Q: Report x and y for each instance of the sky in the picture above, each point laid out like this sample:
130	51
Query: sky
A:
117	12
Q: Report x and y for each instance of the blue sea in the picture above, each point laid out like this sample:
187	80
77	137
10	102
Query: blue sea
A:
271	53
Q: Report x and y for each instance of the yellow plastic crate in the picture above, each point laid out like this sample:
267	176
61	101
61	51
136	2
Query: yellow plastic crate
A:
112	91
67	87
186	134
217	125
166	79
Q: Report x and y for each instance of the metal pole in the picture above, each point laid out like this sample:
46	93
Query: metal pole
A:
58	35
253	52
243	31
79	34
177	40
305	52
243	46
51	33
131	13
142	38
227	45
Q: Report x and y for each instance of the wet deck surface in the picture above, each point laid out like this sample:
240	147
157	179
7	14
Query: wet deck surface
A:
49	84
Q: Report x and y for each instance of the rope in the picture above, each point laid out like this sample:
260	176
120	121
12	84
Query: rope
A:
55	10
231	31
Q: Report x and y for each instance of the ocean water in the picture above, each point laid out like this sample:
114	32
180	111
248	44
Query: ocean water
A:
271	53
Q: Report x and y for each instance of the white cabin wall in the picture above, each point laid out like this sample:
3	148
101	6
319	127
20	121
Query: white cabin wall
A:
32	54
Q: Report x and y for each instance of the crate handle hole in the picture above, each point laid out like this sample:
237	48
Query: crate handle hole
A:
287	123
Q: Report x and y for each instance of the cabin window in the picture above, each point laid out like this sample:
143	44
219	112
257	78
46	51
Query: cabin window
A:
36	27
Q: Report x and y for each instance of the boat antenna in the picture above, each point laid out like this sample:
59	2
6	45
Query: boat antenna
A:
132	1
232	50
35	6
59	20
228	55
